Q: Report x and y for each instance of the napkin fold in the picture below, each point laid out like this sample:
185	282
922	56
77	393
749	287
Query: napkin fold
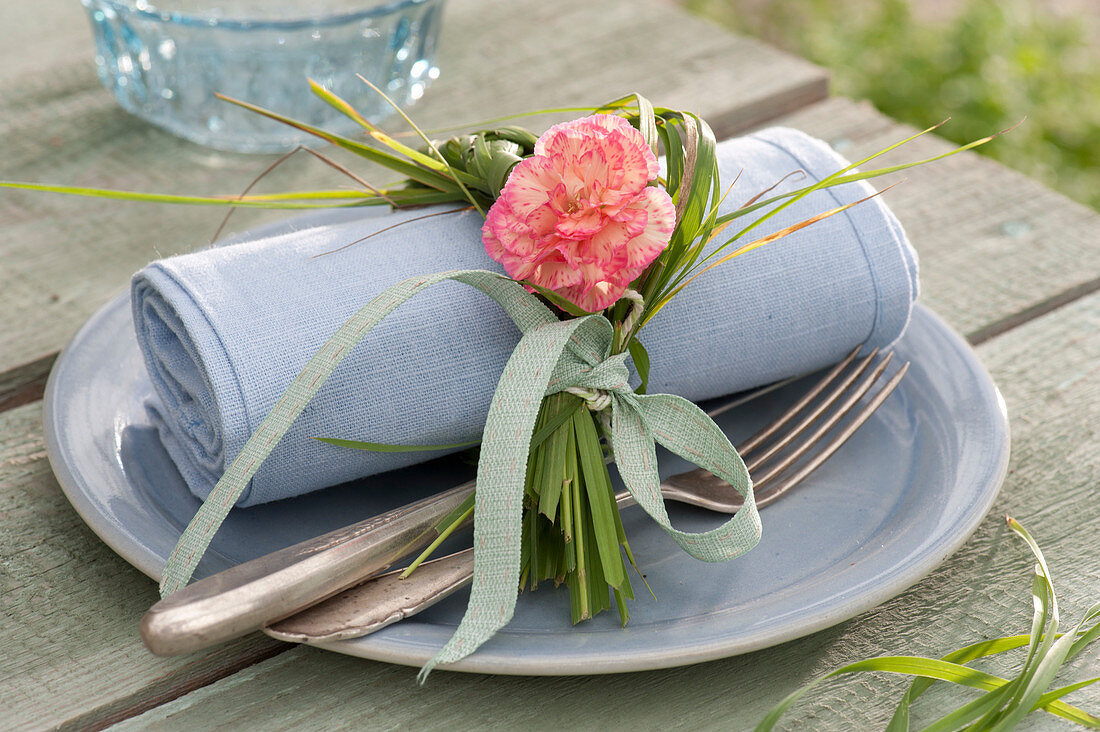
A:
225	330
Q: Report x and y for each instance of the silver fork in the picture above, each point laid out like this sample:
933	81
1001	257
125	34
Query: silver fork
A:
259	593
770	454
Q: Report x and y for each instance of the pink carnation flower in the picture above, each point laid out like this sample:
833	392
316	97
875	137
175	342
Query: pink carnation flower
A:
578	217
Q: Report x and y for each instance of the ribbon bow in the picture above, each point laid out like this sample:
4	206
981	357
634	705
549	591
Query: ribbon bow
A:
551	356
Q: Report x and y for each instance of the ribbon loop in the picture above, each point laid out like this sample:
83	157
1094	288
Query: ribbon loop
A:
580	348
686	430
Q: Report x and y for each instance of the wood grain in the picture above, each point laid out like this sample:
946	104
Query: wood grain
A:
993	242
1000	255
981	592
71	649
64	257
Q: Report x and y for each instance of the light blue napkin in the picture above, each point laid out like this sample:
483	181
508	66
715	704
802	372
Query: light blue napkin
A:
224	331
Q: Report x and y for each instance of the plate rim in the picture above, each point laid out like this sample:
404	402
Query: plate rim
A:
507	661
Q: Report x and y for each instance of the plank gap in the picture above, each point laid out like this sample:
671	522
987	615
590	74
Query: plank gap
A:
754	116
1039	309
26	383
174	688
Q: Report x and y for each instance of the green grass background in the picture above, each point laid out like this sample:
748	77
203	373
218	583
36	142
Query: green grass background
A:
987	64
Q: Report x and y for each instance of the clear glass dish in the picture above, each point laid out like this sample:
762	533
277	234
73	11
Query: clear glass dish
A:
165	61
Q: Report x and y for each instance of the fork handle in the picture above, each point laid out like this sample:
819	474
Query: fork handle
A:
250	595
385	599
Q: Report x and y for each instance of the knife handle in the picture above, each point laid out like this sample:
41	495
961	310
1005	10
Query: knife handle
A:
384	600
253	594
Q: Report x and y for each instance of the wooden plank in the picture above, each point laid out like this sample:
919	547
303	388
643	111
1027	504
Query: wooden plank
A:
1049	371
996	247
63	257
71	652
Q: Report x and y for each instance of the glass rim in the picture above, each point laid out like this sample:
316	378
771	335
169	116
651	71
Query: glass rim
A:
149	11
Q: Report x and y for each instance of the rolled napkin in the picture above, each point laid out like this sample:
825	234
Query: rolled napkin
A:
225	330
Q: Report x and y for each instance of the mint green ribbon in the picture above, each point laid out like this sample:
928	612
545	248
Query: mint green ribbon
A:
551	356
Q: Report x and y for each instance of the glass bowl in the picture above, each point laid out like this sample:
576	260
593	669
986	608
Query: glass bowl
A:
165	61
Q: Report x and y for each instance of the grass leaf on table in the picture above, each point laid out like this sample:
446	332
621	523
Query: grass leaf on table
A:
1006	702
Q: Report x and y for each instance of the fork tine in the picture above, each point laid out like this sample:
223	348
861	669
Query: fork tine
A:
826	451
700	487
826	403
797	407
851	395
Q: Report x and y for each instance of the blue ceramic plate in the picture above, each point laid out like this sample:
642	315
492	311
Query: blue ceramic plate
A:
899	498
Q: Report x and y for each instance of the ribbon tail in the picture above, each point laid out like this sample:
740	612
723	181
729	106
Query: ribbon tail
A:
501	472
687	431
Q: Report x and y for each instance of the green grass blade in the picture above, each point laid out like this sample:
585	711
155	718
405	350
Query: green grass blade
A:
322	195
438	540
1041	605
865	175
702	179
647	123
578	589
987	703
620	602
566	512
430	178
235	202
553	469
1089	635
557	299
456	515
1028	698
598	590
1026	689
598	486
377	132
786	231
962	655
640	356
1035	694
384	447
674	158
697	197
909	665
931	668
453	174
569	405
1079	715
824	182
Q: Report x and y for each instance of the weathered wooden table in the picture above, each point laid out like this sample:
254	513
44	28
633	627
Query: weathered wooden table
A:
1010	264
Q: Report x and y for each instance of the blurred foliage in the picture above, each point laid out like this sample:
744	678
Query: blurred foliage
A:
987	64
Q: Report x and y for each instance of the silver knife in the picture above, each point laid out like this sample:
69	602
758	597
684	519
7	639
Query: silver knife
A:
252	594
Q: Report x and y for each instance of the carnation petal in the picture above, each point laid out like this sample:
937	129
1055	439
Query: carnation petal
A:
594	299
581	225
579	217
660	221
555	275
493	247
527	186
